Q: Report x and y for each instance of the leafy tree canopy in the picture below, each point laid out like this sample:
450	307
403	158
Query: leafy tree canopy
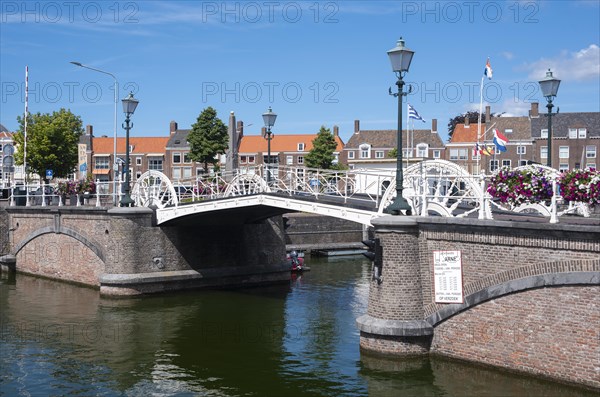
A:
51	142
208	138
321	155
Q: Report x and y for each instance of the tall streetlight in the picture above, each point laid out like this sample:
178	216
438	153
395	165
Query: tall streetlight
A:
129	105
269	118
549	86
400	57
115	165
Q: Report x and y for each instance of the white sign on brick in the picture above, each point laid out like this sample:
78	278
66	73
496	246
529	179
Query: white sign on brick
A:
447	282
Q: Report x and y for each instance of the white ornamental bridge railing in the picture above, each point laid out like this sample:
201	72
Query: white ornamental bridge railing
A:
432	187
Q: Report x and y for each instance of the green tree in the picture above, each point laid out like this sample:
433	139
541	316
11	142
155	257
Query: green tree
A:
321	155
208	138
51	142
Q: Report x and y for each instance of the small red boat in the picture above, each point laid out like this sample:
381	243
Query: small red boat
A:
296	262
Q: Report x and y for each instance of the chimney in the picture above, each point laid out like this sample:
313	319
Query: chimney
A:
535	111
240	129
356	126
89	130
434	125
173	127
488	114
467	122
263	131
336	130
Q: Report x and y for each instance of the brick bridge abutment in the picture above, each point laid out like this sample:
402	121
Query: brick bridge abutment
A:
122	252
531	295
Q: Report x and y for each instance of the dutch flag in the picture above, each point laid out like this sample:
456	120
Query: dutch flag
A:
488	69
412	114
500	141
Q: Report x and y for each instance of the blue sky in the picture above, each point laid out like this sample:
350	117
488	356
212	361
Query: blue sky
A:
316	63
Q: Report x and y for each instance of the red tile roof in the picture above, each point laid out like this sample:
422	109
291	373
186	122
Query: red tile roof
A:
141	145
281	143
464	134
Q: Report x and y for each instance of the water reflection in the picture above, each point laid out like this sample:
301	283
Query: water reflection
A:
297	339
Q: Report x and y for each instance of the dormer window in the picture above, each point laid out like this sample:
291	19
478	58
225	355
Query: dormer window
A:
301	147
365	151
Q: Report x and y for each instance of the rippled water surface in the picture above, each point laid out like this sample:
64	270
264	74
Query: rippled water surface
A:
297	339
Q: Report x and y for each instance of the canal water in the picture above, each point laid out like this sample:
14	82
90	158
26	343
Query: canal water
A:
297	339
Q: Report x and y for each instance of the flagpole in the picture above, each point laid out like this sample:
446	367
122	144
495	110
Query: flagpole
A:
25	125
408	131
479	118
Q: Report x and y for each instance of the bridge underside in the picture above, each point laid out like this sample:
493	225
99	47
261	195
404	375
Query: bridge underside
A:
258	207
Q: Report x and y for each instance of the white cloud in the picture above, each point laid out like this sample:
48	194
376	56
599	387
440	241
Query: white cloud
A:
508	55
574	66
510	108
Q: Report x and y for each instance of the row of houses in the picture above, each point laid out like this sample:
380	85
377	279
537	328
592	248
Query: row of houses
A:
576	137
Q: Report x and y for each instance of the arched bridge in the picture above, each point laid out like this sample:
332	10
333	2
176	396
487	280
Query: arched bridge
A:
434	187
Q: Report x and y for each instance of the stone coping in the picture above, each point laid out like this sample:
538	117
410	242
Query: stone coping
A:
392	222
378	326
183	275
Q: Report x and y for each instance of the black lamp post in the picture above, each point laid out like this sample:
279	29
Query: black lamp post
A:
549	86
400	56
269	118
129	105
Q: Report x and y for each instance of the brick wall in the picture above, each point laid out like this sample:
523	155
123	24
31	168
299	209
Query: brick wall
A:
543	331
4	248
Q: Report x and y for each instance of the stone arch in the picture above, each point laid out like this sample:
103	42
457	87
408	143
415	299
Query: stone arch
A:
589	277
92	245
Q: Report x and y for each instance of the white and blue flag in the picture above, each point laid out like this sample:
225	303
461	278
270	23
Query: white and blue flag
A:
413	114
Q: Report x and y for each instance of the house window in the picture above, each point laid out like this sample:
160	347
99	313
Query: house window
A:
138	175
251	159
243	159
155	164
101	163
563	167
176	173
508	130
544	133
572	133
379	154
422	150
522	163
506	163
476	155
289	160
300	147
187	172
544	152
563	152
463	154
453	154
582	133
176	158
407	153
591	165
351	154
521	150
138	161
186	158
436	154
300	159
493	165
590	152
